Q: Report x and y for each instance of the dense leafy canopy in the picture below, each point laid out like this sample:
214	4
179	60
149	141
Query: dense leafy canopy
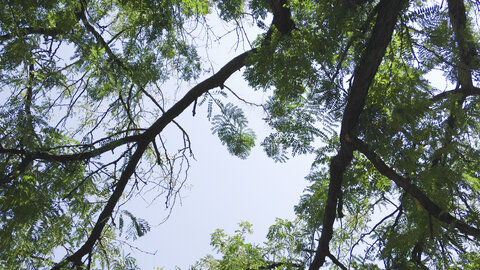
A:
396	179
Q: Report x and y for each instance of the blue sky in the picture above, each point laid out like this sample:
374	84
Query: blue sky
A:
221	190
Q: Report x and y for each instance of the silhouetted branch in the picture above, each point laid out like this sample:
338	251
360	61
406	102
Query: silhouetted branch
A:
431	207
143	141
282	18
365	71
465	91
30	31
48	156
336	261
463	37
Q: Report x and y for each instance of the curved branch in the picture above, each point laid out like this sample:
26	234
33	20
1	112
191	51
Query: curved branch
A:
465	91
431	207
365	71
143	140
336	261
47	156
217	80
464	39
32	30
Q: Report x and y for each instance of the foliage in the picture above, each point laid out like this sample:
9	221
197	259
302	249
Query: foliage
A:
231	127
424	134
395	182
284	248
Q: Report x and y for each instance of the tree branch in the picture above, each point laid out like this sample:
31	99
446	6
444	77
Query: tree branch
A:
466	91
431	207
81	16
47	156
32	30
336	261
143	141
365	71
464	39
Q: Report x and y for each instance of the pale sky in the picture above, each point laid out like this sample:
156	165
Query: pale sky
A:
222	190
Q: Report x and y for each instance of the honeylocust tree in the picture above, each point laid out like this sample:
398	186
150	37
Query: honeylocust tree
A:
396	185
82	116
395	180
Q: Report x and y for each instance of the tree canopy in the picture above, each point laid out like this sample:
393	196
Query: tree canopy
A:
396	179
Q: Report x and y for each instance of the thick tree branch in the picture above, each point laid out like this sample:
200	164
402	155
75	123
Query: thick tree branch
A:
48	156
464	39
282	18
465	91
32	30
143	141
365	71
336	261
145	138
464	68
217	80
431	207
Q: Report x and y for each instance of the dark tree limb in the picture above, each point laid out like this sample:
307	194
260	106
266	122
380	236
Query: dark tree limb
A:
282	16
31	31
48	156
467	53
284	24
336	261
431	207
143	141
464	40
29	95
465	91
365	71
275	265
